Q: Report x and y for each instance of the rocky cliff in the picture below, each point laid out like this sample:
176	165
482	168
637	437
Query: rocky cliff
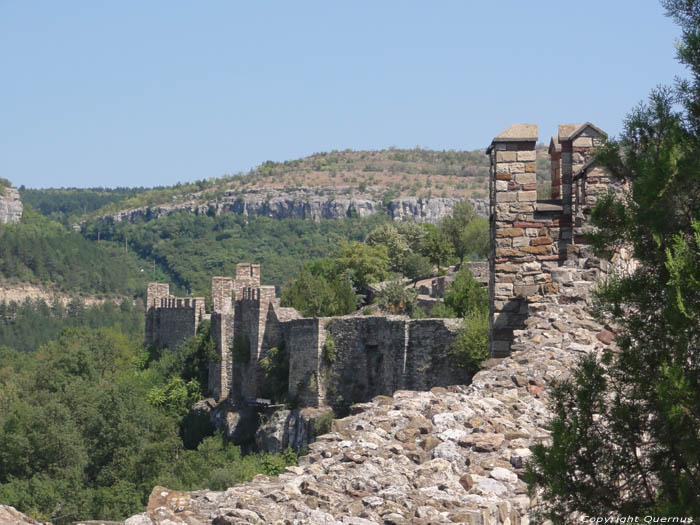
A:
450	455
10	206
306	203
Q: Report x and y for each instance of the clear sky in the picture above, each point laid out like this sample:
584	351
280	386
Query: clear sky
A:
134	93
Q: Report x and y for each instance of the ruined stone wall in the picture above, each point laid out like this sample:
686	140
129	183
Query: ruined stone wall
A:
177	320
304	351
221	377
369	357
222	294
531	240
427	359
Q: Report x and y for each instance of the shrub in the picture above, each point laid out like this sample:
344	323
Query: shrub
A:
471	347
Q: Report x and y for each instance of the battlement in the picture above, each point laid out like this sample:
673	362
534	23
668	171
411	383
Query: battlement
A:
531	238
247	276
260	293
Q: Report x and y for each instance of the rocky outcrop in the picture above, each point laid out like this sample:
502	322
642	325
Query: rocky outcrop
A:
305	203
20	292
293	429
449	455
12	515
10	206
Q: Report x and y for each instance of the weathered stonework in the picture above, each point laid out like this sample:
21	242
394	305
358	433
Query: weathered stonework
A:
457	454
372	355
530	239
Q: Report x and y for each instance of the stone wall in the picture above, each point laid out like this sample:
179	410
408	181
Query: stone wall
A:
177	320
221	377
531	239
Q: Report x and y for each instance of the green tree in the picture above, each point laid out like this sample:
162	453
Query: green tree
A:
416	266
396	245
436	247
454	228
626	428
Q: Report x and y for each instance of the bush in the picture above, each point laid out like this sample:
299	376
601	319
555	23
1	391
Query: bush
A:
471	347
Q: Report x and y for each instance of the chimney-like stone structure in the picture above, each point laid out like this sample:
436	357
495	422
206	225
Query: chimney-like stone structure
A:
530	239
513	192
221	294
155	294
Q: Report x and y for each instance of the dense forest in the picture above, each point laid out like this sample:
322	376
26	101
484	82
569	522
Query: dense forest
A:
42	251
91	421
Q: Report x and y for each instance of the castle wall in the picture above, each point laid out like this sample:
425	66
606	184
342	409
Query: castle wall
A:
531	240
304	350
222	294
155	292
178	320
221	376
369	357
427	358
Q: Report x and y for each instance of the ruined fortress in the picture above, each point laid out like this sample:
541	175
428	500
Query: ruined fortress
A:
458	454
340	360
534	246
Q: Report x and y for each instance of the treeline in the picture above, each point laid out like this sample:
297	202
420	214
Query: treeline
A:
28	325
193	248
91	422
64	204
337	284
41	251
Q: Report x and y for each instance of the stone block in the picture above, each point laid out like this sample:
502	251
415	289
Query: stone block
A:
526	178
537	250
503	176
520	241
505	277
504	242
508	252
582	142
527	156
525	290
506	196
503	289
501	185
506	156
507	267
530	167
517	167
510	232
527	196
541	240
549	288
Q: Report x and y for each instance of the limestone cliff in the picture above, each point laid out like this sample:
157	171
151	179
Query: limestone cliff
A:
305	203
10	206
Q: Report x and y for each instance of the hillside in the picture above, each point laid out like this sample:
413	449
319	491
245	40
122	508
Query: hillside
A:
418	184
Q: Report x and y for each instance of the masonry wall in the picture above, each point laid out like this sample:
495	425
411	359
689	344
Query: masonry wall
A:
427	359
221	377
531	240
525	235
178	319
304	350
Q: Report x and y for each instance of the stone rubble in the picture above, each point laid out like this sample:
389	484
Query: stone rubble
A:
448	455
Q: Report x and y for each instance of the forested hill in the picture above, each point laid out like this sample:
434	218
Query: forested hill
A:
375	177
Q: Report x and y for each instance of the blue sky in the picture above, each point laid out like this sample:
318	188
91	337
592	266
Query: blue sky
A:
132	93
